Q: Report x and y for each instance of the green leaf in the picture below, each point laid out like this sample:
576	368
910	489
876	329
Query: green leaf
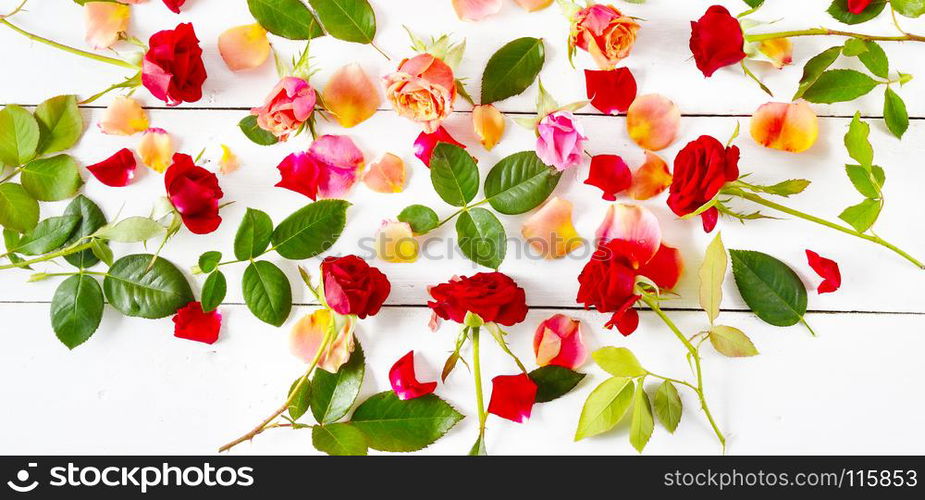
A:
770	288
642	424
253	236
894	113
60	124
512	69
350	20
19	136
391	424
732	342
339	439
287	18
553	382
853	47
481	237
909	8
785	188
302	400
213	291
454	174
815	67
519	183
208	261
754	3
334	393
51	179
131	230
839	85
310	230
619	362
874	59
138	287
48	235
863	180
257	135
421	219
478	448
101	251
18	210
712	272
76	309
863	215
267	292
839	10
857	142
668	406
91	220
605	407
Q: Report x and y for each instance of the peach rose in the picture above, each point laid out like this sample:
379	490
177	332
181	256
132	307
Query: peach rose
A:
605	33
423	89
288	106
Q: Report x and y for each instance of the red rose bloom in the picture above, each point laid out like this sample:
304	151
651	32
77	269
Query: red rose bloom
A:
194	192
191	323
701	169
716	40
351	286
172	68
495	297
606	284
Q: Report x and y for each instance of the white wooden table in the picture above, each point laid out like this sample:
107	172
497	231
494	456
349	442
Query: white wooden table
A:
134	388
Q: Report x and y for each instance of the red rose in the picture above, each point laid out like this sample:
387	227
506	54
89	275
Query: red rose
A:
351	286
495	297
701	169
716	40
606	283
172	68
194	192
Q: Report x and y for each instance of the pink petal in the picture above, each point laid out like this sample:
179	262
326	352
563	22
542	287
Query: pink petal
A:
123	116
636	227
244	47
343	161
550	230
425	143
404	382
302	173
476	10
558	341
387	175
351	96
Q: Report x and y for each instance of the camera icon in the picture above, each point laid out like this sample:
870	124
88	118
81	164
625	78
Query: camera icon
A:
21	484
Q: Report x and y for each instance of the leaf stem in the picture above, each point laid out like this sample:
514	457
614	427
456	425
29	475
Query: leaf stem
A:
60	253
386	56
477	373
67	48
906	37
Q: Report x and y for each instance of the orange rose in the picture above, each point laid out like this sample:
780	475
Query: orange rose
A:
423	89
605	33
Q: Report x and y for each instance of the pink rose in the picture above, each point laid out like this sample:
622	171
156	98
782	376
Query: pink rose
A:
287	107
561	140
423	90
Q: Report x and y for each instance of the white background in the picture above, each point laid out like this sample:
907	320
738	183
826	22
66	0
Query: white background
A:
134	388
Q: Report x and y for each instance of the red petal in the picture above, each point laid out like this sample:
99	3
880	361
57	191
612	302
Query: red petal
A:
174	5
512	397
425	143
626	322
192	323
117	171
709	219
194	193
612	91
857	6
301	173
611	174
665	268
827	269
405	383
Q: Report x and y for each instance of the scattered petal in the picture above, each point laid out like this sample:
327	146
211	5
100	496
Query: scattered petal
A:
386	175
118	170
827	269
351	96
174	5
651	178
395	243
308	333
228	163
425	143
512	397
124	116
244	47
611	92
533	5
653	121
156	149
636	227
791	127
665	268
106	23
550	230
779	51
302	173
404	381
709	218
857	6
610	174
488	124
343	161
476	10
191	323
558	342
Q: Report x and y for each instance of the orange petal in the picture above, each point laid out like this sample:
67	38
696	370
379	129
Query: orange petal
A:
634	225
244	47
476	10
228	162
156	149
785	126
124	116
651	178
778	50
351	96
106	22
534	5
386	175
396	243
488	124
550	230
306	337
653	121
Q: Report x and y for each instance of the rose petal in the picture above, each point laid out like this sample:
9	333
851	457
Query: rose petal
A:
558	341
106	22
709	218
174	5
488	124
626	322
636	227
395	243
533	5
612	91
791	127
857	6
351	96
425	143
123	116
307	334
653	121
651	178
386	175
512	397
664	268
228	162
476	10
302	173
610	174
778	50
550	230
404	382
244	47
827	269
343	161
118	170
191	323
156	149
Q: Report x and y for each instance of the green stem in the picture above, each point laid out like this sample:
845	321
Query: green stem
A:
811	218
477	373
14	173
906	37
60	253
695	355
67	48
386	56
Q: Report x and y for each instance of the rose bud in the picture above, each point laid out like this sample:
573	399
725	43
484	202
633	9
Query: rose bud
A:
494	297
716	40
560	140
308	333
351	286
287	108
194	192
512	397
172	69
558	342
605	33
701	169
488	124
423	89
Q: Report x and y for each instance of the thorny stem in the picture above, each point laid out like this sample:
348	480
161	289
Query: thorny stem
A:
905	37
67	48
477	373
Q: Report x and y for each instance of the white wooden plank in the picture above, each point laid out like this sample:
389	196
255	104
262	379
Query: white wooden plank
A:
874	278
661	59
154	394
